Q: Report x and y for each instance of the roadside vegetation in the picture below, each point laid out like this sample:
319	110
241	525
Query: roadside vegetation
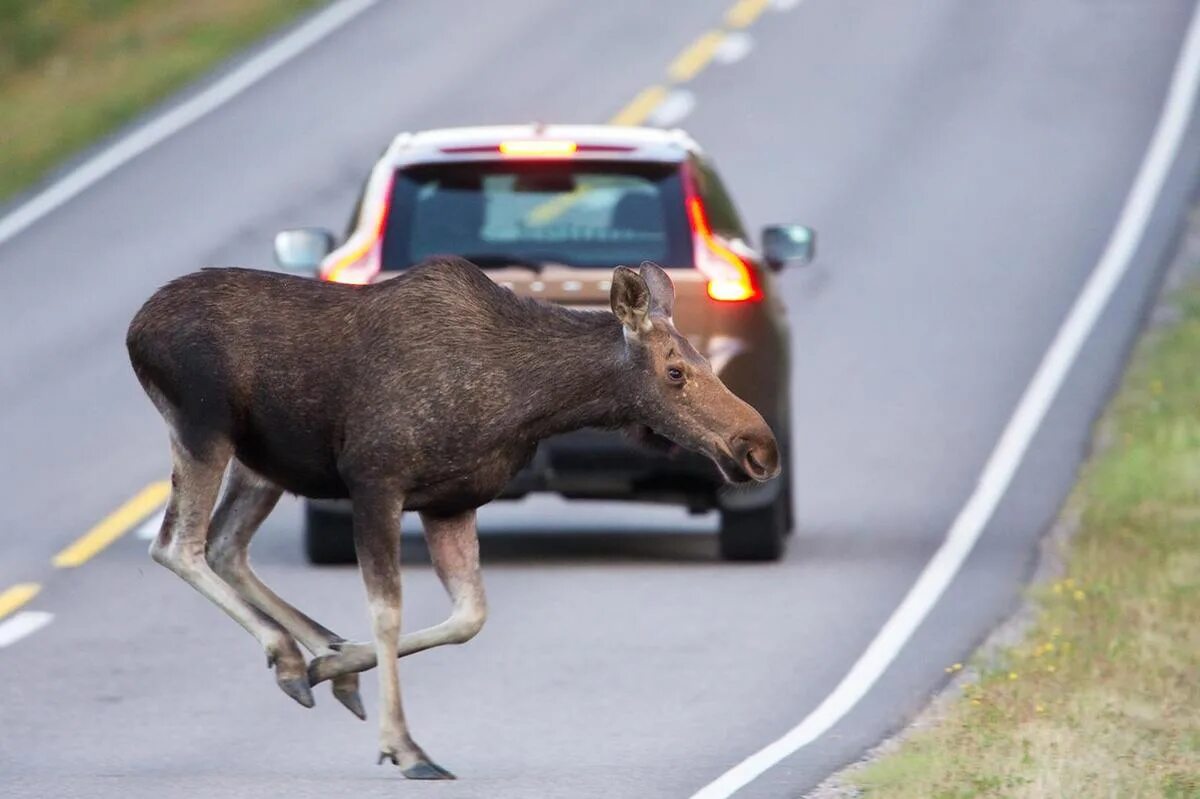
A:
1102	699
73	70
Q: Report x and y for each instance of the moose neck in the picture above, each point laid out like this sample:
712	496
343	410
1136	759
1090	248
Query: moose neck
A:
578	378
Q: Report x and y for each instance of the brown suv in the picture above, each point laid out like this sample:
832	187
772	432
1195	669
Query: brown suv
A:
548	212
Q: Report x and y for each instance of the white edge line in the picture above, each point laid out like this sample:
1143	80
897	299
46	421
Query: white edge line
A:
171	122
22	624
148	530
1006	458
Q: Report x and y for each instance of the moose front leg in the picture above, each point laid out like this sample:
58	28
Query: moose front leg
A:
454	550
377	544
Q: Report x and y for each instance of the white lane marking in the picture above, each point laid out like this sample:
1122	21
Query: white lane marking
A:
22	624
148	530
785	5
156	130
734	47
677	105
1006	457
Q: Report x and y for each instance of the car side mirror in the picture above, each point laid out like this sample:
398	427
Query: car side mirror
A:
788	244
302	250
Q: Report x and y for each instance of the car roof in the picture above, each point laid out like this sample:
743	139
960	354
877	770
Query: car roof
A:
595	142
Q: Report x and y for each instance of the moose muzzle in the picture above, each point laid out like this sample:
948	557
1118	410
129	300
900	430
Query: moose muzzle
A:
756	454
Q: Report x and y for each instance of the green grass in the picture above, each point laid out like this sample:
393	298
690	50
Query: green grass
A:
1102	699
74	70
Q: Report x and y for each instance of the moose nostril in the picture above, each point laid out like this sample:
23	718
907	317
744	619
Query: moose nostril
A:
759	459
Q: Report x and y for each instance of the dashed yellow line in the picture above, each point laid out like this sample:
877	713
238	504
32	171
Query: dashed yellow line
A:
696	57
13	598
745	12
640	107
555	207
113	526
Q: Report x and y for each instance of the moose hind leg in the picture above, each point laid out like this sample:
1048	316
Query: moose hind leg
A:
377	544
246	503
454	550
180	546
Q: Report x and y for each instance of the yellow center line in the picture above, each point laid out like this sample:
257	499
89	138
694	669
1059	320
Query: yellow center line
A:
13	598
744	12
688	63
113	526
640	107
553	208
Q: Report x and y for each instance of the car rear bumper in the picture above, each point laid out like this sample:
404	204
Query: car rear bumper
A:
597	464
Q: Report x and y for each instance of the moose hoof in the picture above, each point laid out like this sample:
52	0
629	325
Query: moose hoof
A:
425	770
297	688
345	690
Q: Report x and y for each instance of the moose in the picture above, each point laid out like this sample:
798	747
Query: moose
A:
425	392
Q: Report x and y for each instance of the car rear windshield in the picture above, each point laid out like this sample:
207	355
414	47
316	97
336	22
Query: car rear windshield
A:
585	214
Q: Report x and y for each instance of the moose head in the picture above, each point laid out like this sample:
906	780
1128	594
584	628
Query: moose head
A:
676	394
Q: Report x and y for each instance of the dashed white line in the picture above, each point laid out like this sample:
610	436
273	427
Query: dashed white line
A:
733	47
22	624
148	529
785	5
176	119
1018	434
674	107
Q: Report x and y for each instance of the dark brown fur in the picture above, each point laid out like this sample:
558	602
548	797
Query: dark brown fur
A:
426	392
439	375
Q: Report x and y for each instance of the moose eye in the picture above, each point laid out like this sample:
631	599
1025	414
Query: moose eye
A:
674	374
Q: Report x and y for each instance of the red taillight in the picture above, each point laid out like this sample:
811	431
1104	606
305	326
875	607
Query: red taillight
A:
356	266
730	279
539	148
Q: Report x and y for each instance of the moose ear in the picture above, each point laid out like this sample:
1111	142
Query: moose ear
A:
630	298
662	290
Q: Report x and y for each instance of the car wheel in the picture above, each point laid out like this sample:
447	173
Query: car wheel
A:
328	537
756	534
760	534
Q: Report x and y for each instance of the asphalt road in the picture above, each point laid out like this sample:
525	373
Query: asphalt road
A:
964	164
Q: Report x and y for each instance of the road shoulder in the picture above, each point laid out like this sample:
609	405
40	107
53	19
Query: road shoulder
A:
1056	698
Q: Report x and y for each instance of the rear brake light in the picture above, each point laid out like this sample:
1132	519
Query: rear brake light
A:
730	279
357	266
538	148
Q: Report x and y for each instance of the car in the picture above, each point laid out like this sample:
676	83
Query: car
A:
548	211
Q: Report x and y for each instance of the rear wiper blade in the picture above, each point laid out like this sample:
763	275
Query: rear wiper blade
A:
486	260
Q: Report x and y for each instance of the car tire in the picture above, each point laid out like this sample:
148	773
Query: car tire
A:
328	537
760	534
756	534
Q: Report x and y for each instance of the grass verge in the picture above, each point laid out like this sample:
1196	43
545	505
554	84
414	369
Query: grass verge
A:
1102	699
74	70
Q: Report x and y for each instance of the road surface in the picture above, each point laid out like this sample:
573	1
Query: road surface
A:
965	164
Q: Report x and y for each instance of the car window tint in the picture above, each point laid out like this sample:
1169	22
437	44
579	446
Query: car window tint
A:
589	214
